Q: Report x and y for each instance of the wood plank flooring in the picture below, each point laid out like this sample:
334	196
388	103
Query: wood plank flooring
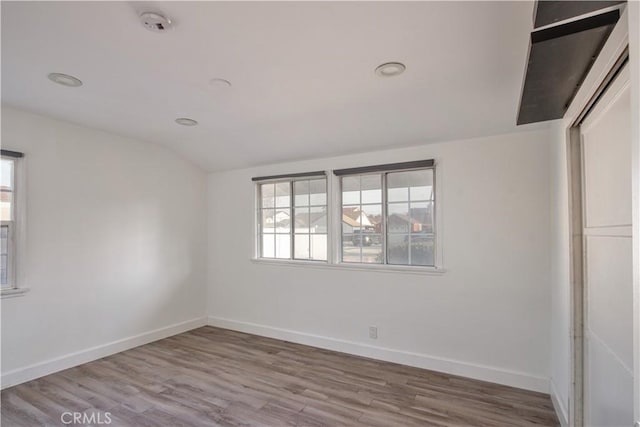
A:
211	376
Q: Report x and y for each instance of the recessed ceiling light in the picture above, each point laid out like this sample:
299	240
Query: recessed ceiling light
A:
185	121
390	69
65	80
220	83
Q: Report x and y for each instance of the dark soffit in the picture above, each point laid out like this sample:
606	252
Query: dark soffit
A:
559	60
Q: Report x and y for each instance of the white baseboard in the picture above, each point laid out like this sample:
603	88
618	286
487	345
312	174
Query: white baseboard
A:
559	404
28	373
454	367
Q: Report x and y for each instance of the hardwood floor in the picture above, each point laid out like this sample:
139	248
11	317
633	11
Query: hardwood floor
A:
212	376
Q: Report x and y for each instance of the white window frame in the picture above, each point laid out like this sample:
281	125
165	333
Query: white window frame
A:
257	232
15	232
334	236
437	254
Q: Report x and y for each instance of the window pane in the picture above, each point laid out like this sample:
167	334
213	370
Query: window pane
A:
415	184
301	246
268	192
398	249
397	187
4	239
318	220
422	217
350	252
286	222
397	194
6	189
6	173
6	204
301	224
283	220
421	193
398	218
283	194
351	190
268	246
371	218
350	219
318	190
4	254
422	250
410	225
421	185
417	181
362	246
283	246
319	247
301	193
268	220
371	248
4	272
371	188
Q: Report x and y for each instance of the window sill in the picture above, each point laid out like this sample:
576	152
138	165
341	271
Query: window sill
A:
13	292
409	269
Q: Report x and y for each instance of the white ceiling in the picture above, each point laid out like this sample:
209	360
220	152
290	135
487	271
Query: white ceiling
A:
302	73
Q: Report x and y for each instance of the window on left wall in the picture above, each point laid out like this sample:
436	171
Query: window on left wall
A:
8	219
292	217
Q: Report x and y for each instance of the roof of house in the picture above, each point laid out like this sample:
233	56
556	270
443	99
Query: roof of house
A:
309	219
350	221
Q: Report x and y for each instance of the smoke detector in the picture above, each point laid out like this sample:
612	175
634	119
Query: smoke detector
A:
155	22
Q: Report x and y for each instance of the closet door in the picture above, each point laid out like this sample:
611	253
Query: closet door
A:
608	328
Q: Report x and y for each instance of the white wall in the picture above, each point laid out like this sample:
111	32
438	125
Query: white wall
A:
486	317
115	246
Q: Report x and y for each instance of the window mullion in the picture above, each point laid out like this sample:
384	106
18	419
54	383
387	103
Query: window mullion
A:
434	237
360	218
409	240
309	226
260	224
291	223
340	227
384	210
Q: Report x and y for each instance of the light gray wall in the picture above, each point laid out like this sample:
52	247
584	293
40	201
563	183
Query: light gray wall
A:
115	242
487	317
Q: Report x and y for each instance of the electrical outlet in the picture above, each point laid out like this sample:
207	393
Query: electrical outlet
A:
373	332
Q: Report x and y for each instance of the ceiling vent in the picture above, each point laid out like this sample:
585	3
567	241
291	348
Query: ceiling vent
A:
155	22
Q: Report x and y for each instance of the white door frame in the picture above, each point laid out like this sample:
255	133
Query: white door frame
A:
634	64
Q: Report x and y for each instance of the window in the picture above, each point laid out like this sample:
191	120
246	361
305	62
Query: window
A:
410	218
384	216
362	219
388	214
8	227
292	217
